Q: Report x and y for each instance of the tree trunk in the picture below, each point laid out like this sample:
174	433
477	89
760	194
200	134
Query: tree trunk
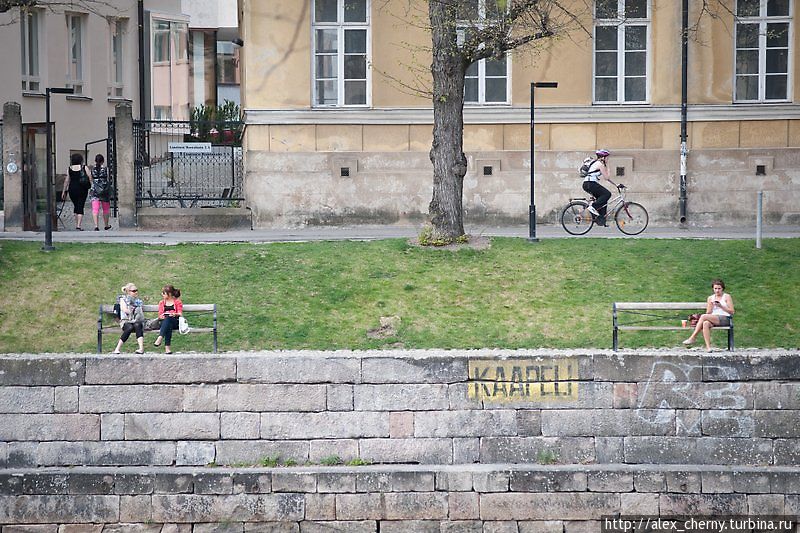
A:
447	154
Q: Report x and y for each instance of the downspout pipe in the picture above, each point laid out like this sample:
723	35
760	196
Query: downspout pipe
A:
141	60
684	102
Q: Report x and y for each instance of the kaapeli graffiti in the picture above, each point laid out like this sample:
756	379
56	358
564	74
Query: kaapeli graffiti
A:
523	380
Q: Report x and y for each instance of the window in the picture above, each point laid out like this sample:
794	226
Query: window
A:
30	22
341	37
75	67
763	34
170	70
117	30
486	80
227	63
621	35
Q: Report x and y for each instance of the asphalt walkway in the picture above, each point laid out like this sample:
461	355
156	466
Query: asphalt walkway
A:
373	232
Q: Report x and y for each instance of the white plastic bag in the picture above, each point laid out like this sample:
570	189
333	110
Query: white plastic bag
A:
183	326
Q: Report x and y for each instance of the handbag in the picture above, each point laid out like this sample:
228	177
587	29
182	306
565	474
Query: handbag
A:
84	179
694	318
183	326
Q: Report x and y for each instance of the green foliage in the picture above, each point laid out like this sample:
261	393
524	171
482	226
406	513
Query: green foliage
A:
357	461
270	461
546	457
331	460
220	124
290	462
328	295
428	236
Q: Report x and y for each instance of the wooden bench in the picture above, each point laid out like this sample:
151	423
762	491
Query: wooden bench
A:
651	316
107	311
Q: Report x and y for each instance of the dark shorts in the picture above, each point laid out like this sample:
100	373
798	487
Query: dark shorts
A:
724	320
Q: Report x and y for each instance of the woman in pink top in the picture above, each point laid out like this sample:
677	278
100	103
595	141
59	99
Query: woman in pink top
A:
169	309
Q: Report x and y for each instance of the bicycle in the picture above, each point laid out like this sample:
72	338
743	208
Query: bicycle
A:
631	218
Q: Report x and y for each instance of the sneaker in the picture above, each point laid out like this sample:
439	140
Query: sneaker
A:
601	222
107	228
96	228
593	211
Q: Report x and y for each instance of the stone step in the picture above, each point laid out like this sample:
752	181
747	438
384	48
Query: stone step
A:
496	497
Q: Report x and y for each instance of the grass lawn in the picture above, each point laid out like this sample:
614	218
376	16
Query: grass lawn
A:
328	295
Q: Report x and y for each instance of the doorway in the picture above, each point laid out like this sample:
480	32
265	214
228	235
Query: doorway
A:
34	176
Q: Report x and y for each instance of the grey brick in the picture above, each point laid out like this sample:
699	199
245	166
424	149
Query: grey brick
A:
125	483
493	481
410	526
45	483
684	482
213	483
347	526
339	397
787	452
299	369
532	449
41	370
42	528
403	397
335	482
458	397
121	370
792	505
752	482
415	505
625	395
423	369
10	484
401	425
271	397
132	528
462	526
529	422
765	505
272	527
785	482
616	368
83	528
135	508
777	424
548	481
224	527
373	482
688	422
548	506
112	426
465	423
294	482
713	482
252	451
252	483
500	527
345	449
194	453
774	395
172	426
607	422
3	455
320	507
235	508
49	427
463	506
412	481
609	450
728	423
240	426
200	398
466	450
79	483
692	395
541	526
454	481
424	451
176	528
344	425
635	504
104	453
691	450
169	483
131	398
59	509
26	399
361	506
702	504
720	367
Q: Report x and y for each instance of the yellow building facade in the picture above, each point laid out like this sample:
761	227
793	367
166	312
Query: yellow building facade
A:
339	128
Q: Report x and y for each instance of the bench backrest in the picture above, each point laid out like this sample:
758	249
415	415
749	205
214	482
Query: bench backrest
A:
630	306
150	308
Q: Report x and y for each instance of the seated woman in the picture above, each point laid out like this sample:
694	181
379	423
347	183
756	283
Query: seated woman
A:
131	317
170	308
719	310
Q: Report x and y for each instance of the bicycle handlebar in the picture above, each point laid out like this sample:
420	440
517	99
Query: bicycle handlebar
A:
621	186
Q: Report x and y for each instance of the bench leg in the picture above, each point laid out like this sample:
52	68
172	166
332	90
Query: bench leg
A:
730	340
615	339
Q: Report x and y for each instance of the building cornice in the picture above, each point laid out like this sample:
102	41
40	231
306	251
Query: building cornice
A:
521	115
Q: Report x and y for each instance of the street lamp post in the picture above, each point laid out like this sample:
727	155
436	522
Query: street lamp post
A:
532	207
48	223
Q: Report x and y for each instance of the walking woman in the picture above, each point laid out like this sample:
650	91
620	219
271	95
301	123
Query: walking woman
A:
131	317
100	192
78	184
170	308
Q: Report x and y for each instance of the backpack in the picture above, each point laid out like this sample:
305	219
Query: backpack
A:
102	188
583	170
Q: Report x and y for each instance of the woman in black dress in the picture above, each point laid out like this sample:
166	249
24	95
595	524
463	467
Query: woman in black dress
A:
78	184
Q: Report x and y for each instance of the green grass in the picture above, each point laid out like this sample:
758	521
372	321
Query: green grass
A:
328	295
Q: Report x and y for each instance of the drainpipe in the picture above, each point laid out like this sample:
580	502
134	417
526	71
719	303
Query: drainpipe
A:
684	98
141	61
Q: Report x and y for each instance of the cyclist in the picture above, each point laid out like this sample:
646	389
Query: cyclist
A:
591	184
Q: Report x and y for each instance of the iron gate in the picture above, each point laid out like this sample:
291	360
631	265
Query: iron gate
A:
188	163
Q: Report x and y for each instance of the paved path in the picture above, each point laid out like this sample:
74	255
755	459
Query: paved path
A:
387	232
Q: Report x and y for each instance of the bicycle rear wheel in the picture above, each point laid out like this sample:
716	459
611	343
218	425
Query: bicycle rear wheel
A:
631	218
576	218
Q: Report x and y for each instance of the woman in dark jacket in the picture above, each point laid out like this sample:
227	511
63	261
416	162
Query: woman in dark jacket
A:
78	184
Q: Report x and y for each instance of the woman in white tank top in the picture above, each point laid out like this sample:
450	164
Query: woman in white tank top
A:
719	310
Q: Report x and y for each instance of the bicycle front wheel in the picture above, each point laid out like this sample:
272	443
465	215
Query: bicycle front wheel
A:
576	218
631	218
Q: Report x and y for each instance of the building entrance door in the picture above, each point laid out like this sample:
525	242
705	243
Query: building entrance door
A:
34	176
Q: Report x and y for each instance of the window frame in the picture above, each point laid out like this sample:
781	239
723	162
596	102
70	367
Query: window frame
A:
341	26
117	88
28	78
173	61
762	19
621	23
479	23
79	84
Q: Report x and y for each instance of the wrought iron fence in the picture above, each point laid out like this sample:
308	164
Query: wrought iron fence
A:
188	163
